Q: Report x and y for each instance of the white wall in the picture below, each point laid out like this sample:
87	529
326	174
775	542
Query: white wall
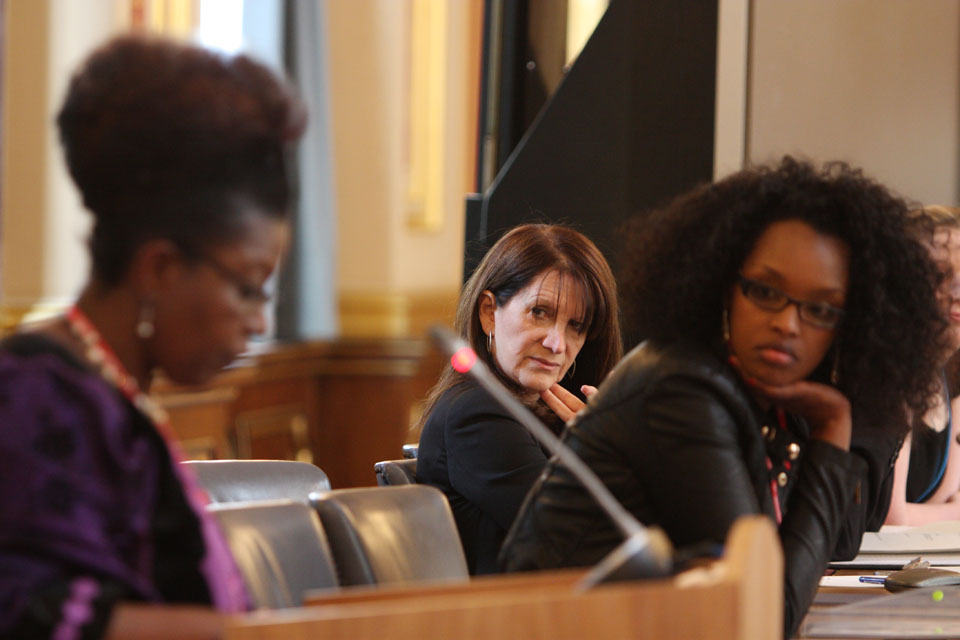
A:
43	259
873	82
75	29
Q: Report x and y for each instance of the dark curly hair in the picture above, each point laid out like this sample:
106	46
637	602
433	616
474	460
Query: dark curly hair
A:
682	261
173	141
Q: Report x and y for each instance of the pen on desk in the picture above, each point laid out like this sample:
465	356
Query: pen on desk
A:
873	579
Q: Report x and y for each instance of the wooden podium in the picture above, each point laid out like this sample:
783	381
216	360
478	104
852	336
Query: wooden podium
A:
738	597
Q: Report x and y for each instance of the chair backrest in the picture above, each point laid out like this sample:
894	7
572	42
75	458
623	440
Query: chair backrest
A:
394	472
280	549
252	480
411	450
382	535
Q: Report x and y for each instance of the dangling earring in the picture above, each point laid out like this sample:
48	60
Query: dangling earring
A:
726	326
145	328
490	343
572	368
835	370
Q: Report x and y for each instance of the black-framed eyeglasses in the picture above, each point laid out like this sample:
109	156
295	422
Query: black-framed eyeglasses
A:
818	314
255	296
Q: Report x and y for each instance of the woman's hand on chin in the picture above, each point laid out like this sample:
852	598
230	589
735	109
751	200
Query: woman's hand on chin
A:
563	403
825	409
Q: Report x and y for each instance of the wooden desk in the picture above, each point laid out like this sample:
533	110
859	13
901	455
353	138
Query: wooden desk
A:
738	597
830	597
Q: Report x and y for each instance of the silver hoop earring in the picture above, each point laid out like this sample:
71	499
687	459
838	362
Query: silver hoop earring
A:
145	327
490	343
572	368
725	326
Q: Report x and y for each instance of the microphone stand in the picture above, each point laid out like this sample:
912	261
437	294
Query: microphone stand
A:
645	552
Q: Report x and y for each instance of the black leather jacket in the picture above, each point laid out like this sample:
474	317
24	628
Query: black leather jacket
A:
675	436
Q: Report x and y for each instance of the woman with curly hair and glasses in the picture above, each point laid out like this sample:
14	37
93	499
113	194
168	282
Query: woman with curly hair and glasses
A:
790	321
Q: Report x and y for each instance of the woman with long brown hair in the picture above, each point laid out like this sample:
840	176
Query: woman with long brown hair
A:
540	309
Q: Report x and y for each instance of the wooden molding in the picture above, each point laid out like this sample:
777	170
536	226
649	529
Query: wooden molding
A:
394	315
344	403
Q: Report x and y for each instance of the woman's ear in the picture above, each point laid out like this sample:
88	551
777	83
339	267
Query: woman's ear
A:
152	267
486	308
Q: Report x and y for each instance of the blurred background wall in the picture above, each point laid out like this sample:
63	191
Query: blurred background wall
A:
873	82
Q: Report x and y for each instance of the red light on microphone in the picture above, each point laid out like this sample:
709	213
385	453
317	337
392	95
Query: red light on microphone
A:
463	360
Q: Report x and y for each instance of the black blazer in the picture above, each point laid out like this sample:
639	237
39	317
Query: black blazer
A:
677	439
484	461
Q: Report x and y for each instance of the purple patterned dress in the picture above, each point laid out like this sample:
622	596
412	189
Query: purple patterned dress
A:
92	511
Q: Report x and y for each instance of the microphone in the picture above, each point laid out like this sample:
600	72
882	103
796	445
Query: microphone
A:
645	552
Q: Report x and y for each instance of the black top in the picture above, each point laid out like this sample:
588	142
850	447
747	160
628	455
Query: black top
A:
484	461
928	452
678	440
929	449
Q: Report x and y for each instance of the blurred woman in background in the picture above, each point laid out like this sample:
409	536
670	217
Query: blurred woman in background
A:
927	473
180	154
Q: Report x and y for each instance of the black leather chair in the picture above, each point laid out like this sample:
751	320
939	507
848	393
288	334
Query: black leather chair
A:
383	535
280	549
394	472
411	450
251	480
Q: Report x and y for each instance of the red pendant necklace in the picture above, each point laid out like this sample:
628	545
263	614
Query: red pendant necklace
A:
774	488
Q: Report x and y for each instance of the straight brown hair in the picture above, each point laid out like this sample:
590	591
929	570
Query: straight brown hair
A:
516	259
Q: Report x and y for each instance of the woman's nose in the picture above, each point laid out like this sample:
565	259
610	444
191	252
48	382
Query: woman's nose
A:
787	320
555	340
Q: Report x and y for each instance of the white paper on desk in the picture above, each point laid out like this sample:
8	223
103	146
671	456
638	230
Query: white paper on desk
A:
939	537
897	560
848	582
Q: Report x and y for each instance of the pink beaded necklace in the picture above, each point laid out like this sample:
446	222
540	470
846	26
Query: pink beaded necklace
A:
99	353
223	579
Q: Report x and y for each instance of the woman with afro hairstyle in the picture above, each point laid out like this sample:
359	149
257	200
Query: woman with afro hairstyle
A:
790	320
